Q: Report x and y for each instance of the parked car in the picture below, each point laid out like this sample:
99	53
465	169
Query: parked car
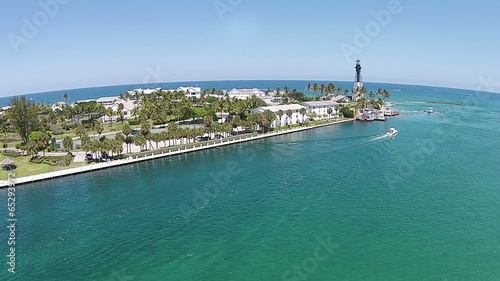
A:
89	157
218	136
202	138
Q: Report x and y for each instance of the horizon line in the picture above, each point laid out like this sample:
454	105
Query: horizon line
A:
236	80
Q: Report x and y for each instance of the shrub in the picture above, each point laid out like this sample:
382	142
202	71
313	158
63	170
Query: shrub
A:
68	159
5	145
52	161
134	122
11	153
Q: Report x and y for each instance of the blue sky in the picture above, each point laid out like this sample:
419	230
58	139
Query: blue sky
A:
77	44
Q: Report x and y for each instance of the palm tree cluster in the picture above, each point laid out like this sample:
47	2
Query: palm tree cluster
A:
326	90
375	99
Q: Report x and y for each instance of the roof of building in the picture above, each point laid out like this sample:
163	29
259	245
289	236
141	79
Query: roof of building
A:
190	89
107	99
320	103
128	105
82	101
276	108
248	92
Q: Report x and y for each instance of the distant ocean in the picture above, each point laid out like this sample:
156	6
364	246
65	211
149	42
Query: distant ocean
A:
334	203
94	93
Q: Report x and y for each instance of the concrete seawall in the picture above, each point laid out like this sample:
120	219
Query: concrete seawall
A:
171	152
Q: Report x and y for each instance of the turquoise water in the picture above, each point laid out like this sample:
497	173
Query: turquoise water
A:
334	203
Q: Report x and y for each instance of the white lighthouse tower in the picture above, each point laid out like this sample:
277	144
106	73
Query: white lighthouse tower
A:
358	82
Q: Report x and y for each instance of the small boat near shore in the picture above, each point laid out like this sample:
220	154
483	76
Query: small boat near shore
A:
431	110
392	132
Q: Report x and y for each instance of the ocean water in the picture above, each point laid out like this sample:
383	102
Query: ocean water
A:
334	203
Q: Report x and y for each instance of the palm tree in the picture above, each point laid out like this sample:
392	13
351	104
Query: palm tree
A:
31	148
289	113
139	140
117	147
156	137
4	128
68	143
80	131
110	113
268	117
99	128
44	141
126	130
303	112
280	114
65	97
119	112
209	120
329	111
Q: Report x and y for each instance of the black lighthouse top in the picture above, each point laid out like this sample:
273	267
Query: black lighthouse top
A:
358	71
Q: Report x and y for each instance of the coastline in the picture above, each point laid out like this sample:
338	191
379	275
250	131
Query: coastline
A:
117	163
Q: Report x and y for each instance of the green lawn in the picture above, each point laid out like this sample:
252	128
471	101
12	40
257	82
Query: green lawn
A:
26	168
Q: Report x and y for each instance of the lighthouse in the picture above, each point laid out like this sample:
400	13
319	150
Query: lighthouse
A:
358	81
357	91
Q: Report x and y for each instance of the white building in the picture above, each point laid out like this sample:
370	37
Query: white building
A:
244	94
128	107
107	101
144	91
58	106
321	107
3	109
191	92
295	118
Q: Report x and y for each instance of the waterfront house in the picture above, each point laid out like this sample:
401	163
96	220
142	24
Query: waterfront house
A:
191	92
321	108
295	118
128	107
107	101
58	106
244	94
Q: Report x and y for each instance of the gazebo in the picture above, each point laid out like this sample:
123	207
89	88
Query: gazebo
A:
7	165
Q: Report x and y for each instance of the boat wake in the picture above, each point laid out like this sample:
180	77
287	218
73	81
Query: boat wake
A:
379	138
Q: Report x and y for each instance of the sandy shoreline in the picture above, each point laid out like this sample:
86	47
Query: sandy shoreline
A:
116	163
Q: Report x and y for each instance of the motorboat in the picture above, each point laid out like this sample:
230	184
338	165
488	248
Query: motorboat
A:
431	110
392	132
